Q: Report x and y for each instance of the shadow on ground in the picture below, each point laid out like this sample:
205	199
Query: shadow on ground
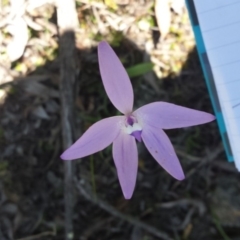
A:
205	206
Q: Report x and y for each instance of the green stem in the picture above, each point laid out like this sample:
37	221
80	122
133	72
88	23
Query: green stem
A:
218	226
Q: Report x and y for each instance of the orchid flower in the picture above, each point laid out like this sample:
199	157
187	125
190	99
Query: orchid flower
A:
146	123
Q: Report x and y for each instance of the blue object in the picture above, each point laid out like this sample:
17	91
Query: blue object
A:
209	77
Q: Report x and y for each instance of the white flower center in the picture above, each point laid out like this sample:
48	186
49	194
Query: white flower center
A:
135	127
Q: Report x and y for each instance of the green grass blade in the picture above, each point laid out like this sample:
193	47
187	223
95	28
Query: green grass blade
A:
139	69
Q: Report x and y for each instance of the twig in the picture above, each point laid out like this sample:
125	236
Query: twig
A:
183	154
67	22
210	156
39	236
108	208
186	220
66	86
95	227
196	203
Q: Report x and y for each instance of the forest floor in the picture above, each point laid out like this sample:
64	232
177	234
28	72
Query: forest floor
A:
205	206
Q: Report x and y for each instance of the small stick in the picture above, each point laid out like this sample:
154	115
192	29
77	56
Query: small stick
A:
108	208
67	23
39	236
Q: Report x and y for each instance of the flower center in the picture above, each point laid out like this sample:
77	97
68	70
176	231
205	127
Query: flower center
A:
133	128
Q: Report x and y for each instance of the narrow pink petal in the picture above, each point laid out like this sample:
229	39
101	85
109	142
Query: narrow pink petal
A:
115	79
125	157
96	138
167	115
160	147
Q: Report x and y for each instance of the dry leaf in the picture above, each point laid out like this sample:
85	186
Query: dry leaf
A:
32	24
33	4
18	29
163	16
40	112
5	74
39	89
177	6
52	106
3	95
111	4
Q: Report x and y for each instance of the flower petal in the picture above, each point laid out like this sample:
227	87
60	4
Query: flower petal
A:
96	138
115	79
125	157
167	115
160	147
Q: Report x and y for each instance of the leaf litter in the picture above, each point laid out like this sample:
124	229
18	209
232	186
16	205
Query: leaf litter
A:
31	173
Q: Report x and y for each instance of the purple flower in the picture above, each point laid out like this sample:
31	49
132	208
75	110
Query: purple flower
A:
145	123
